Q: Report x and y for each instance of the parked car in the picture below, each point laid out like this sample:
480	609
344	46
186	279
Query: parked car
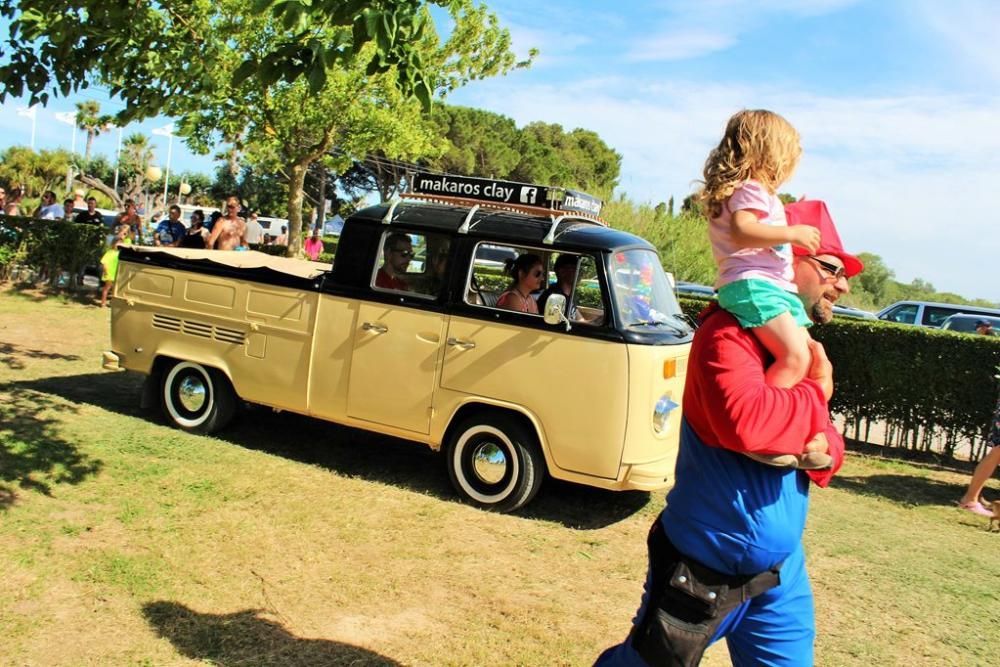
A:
855	313
967	323
694	289
587	391
929	313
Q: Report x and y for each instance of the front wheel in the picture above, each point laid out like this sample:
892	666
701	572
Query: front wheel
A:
196	398
494	462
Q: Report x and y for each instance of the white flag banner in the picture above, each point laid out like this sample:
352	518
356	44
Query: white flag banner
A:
27	112
68	117
165	131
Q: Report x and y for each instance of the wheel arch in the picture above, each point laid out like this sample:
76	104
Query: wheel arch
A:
478	406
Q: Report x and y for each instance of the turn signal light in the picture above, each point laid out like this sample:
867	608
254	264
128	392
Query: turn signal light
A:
669	368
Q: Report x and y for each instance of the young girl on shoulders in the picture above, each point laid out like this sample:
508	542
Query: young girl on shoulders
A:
752	244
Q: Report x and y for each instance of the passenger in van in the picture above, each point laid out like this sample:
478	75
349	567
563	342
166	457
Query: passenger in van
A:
527	275
397	253
984	328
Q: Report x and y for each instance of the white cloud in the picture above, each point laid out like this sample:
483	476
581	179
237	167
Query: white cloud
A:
680	45
968	28
907	177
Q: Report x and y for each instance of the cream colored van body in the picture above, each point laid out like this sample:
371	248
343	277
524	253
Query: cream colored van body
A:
505	395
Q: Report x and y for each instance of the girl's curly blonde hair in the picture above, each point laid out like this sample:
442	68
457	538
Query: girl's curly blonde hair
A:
757	144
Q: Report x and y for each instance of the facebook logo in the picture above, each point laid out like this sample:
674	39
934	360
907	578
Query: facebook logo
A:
529	195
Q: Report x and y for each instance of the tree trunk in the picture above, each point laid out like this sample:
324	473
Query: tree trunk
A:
296	186
97	184
90	142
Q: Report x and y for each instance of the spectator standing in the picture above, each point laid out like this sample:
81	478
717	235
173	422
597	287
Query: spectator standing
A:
196	233
49	209
67	210
255	232
130	217
109	261
13	205
229	232
313	245
91	216
972	500
171	231
282	238
3	201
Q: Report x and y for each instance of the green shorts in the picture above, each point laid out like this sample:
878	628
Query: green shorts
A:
756	302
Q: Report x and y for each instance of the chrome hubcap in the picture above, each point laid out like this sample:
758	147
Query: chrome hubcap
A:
192	394
489	462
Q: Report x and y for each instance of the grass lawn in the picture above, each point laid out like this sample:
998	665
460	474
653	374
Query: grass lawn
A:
293	542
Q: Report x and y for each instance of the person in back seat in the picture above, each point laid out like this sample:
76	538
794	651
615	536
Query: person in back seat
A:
527	273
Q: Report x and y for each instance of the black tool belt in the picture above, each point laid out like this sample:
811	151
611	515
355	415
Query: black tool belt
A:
687	603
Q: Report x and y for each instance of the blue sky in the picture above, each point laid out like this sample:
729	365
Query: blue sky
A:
897	102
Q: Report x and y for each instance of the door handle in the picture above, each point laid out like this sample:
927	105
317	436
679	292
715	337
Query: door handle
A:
464	344
377	328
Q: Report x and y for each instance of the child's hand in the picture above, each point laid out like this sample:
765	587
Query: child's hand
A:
805	236
818	444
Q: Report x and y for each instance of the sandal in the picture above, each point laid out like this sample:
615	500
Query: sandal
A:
975	507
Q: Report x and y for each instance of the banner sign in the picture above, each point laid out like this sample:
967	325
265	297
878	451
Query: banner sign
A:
505	192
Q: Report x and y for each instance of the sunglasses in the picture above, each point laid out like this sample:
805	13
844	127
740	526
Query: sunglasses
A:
405	253
836	272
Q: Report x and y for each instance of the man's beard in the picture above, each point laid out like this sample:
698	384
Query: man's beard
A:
821	311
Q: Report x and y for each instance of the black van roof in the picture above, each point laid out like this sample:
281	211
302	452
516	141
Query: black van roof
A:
502	225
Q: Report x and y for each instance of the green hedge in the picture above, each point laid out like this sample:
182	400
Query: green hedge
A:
932	389
49	247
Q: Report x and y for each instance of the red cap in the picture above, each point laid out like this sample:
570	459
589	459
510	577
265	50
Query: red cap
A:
814	212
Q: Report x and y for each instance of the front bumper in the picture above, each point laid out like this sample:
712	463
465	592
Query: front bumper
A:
111	361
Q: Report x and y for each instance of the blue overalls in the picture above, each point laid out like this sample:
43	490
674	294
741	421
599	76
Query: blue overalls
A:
740	517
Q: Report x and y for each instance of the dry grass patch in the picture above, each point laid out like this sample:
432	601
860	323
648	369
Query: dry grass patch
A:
290	541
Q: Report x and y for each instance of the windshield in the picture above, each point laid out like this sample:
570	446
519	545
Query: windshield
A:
642	292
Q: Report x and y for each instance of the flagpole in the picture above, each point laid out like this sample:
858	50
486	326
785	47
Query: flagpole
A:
118	158
166	179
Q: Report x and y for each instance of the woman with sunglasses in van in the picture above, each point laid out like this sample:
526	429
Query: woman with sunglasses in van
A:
527	273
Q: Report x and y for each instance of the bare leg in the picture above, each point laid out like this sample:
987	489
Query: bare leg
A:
104	293
788	343
982	473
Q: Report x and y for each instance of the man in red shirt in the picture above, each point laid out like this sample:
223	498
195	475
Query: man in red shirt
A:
398	252
725	556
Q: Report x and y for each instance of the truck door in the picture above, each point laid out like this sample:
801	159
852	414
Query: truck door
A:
397	346
393	366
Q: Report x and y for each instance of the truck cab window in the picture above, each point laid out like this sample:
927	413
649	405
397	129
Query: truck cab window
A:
413	263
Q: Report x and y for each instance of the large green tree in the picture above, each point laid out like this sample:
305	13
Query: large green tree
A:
577	159
149	53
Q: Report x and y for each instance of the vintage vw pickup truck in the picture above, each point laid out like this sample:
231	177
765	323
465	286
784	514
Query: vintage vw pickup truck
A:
402	335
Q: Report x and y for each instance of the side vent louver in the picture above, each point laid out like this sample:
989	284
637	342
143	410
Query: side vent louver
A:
199	329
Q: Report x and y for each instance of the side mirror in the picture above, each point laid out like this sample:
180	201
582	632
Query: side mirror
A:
555	310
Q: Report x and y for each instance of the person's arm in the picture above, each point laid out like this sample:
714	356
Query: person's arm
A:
216	231
747	232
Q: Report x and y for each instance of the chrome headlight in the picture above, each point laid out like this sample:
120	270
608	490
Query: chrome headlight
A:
661	413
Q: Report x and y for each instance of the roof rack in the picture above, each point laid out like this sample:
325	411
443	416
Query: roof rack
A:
558	204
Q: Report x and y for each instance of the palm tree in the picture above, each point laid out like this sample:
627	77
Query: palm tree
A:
90	120
136	156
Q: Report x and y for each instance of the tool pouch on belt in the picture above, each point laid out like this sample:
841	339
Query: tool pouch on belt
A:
687	602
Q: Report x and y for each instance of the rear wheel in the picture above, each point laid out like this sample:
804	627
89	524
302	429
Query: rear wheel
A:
494	461
196	398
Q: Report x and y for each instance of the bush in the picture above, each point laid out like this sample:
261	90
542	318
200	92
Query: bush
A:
49	246
932	389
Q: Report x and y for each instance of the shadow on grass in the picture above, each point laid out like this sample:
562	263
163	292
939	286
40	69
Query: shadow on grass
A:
351	452
909	490
247	638
87	296
10	355
33	455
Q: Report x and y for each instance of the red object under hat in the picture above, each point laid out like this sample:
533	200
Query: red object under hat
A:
813	212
